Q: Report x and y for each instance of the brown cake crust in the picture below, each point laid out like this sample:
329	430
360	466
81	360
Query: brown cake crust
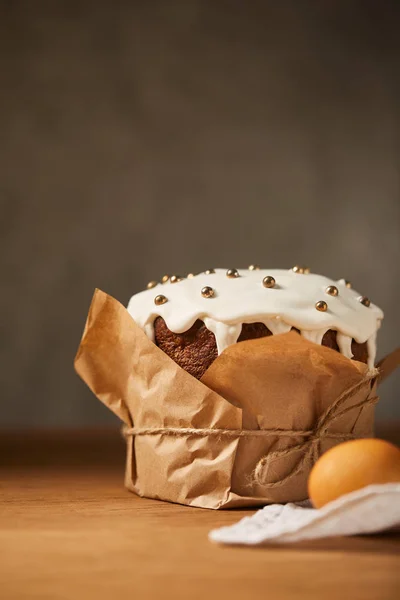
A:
196	349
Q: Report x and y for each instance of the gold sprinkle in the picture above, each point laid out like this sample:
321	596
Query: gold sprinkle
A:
347	283
232	273
151	284
321	305
164	278
175	278
332	290
269	282
254	268
190	275
299	270
210	272
365	301
160	299
207	292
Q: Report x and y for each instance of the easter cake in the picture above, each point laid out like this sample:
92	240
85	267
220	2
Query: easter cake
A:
193	319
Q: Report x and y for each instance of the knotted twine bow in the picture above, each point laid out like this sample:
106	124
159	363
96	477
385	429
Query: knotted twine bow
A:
310	447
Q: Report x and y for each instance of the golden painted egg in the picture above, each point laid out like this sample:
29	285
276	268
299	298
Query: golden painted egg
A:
351	466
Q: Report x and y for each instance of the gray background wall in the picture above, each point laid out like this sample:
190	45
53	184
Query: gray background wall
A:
139	138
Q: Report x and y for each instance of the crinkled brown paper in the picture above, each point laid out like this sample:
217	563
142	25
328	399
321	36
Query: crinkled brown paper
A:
247	434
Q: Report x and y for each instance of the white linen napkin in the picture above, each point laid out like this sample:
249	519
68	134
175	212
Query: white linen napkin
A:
369	510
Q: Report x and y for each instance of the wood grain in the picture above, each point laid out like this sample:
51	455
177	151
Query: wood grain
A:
72	531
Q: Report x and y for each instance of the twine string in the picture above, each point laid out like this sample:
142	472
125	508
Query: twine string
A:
309	446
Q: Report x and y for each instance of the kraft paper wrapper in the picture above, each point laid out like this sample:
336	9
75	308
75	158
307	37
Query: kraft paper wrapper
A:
246	435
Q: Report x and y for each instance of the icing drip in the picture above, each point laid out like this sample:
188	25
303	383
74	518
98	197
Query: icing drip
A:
225	335
276	326
371	345
315	335
244	299
344	343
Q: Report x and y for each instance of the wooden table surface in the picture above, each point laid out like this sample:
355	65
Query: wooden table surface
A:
68	529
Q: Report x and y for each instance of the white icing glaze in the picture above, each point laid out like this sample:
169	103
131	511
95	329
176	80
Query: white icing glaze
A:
244	299
344	343
314	335
225	334
371	347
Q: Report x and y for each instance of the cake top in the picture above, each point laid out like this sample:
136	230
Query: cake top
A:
281	299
